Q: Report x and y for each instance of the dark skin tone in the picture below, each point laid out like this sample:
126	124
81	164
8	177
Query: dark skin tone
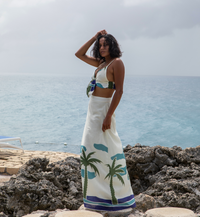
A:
115	72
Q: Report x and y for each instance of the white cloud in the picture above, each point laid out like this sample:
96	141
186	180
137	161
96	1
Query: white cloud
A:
176	54
2	19
28	3
142	2
43	35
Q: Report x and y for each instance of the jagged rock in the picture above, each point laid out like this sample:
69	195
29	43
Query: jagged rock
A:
137	145
144	202
2	214
43	186
198	211
166	176
137	186
170	175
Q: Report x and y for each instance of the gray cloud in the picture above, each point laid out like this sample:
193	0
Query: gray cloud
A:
42	36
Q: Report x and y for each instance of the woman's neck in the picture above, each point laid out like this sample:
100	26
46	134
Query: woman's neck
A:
108	59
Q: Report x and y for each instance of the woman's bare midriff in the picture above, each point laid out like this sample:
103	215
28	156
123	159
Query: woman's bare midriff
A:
103	92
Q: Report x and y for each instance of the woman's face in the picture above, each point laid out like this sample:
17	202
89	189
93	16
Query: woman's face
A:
103	47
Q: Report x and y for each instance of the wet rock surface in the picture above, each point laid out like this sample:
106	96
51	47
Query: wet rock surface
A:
43	186
170	175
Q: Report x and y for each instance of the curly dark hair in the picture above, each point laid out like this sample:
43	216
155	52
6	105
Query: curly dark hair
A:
114	49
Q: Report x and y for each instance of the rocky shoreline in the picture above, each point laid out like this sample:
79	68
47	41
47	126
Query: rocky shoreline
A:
160	177
171	176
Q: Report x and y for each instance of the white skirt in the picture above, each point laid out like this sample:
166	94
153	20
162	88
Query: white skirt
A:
105	180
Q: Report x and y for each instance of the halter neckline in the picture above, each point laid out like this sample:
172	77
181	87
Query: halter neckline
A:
95	73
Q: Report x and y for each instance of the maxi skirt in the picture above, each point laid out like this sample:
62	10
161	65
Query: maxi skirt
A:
105	180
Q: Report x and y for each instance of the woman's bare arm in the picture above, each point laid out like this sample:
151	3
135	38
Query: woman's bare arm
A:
81	53
119	72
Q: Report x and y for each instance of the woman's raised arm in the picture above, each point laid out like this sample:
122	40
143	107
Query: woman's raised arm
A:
81	53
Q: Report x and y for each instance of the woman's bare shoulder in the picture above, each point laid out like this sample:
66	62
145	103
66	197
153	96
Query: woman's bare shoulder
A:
118	62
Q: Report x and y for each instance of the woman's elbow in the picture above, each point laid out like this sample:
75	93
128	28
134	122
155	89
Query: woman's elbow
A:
77	54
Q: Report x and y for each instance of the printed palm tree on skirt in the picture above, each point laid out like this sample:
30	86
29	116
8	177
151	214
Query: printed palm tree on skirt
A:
114	171
88	161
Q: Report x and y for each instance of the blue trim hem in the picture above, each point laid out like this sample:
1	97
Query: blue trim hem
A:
103	208
96	203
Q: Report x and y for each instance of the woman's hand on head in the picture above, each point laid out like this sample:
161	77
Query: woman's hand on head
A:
102	32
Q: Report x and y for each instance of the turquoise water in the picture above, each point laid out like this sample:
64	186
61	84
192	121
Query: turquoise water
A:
52	110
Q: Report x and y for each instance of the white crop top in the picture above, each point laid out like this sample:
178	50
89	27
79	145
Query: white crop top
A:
100	80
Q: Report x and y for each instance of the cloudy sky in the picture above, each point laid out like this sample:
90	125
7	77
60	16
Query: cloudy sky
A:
157	37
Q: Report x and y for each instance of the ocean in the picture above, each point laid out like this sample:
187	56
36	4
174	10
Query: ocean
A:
48	112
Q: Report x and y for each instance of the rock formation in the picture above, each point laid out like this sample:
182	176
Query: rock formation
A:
43	186
170	175
160	177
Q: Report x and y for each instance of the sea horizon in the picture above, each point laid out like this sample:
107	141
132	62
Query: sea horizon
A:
48	112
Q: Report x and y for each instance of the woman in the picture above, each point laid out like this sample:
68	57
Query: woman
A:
105	180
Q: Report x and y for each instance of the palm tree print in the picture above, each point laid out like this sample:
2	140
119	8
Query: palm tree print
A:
114	171
88	161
